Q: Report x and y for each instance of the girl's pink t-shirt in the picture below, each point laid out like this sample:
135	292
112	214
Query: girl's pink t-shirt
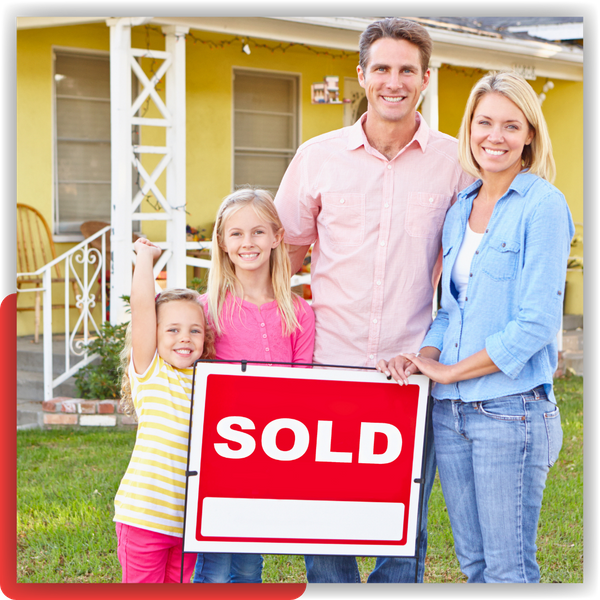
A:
253	333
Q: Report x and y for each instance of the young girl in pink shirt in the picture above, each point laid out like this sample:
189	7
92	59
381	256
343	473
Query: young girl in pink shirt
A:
256	317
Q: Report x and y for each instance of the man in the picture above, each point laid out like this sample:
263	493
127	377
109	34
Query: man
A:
373	198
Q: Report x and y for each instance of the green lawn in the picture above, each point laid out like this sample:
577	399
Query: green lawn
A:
67	480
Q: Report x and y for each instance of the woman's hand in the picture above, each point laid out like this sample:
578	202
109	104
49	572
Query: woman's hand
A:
398	368
476	365
401	367
431	367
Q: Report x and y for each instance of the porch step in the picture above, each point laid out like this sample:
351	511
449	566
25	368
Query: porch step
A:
573	350
30	386
30	356
29	414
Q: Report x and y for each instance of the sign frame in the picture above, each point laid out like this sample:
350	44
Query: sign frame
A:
205	368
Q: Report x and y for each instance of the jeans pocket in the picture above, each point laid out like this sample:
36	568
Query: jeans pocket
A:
506	408
555	434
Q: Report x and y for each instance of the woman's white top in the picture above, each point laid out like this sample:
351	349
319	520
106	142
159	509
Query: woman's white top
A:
462	267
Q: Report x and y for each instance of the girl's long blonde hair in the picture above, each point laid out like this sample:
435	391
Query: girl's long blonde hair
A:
173	295
222	278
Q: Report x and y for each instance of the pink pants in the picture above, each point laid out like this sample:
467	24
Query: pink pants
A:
151	557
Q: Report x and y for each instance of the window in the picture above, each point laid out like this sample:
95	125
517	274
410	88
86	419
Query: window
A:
265	127
82	143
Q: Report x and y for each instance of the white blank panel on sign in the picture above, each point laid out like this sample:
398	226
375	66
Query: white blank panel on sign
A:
301	519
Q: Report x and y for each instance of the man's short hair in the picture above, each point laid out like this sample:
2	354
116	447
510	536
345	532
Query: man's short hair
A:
396	29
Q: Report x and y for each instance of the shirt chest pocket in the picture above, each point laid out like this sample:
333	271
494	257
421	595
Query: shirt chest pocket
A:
425	214
343	215
501	259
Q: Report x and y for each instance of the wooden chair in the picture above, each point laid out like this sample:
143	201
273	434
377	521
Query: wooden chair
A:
35	248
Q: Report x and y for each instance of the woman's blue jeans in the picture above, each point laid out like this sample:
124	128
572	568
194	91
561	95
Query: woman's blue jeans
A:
493	458
212	567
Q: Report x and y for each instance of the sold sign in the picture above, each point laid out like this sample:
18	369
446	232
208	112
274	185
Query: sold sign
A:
304	461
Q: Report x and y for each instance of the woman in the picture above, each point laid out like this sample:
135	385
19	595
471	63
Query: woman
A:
492	348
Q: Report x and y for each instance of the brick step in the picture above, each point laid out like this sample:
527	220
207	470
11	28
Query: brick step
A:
75	412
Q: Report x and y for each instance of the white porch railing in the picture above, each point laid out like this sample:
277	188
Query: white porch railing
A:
87	266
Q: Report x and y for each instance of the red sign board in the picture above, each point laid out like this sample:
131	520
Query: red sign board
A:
304	461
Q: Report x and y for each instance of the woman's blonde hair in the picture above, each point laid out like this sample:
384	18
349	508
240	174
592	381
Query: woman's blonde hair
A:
173	295
222	278
537	156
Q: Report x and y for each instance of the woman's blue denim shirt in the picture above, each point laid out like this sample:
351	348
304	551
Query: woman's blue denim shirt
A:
514	298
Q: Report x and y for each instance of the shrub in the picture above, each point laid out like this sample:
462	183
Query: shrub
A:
102	378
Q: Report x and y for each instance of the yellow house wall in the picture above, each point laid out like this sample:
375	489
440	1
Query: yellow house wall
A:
210	62
34	132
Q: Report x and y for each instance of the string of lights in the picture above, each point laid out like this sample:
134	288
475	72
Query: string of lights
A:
248	43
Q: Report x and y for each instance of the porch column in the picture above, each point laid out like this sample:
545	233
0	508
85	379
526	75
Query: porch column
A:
121	156
430	108
176	142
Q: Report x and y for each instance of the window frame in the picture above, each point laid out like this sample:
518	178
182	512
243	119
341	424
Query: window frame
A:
296	78
80	52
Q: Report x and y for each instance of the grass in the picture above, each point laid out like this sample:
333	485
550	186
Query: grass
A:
67	480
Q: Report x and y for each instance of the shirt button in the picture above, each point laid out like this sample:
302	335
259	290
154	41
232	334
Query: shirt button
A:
342	201
470	274
476	251
374	320
389	166
264	335
386	205
486	230
378	282
266	349
371	356
262	324
382	243
430	200
456	345
466	298
503	244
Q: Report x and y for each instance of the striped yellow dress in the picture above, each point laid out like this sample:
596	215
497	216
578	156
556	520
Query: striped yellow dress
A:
152	492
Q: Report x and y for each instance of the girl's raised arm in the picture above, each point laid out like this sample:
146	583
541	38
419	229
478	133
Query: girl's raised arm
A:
143	311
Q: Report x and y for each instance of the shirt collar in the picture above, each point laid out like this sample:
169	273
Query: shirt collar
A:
357	136
520	184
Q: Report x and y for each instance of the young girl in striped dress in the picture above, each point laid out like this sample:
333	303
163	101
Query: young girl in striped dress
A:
166	336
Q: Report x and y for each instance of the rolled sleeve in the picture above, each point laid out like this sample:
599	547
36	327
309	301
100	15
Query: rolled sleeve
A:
547	242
